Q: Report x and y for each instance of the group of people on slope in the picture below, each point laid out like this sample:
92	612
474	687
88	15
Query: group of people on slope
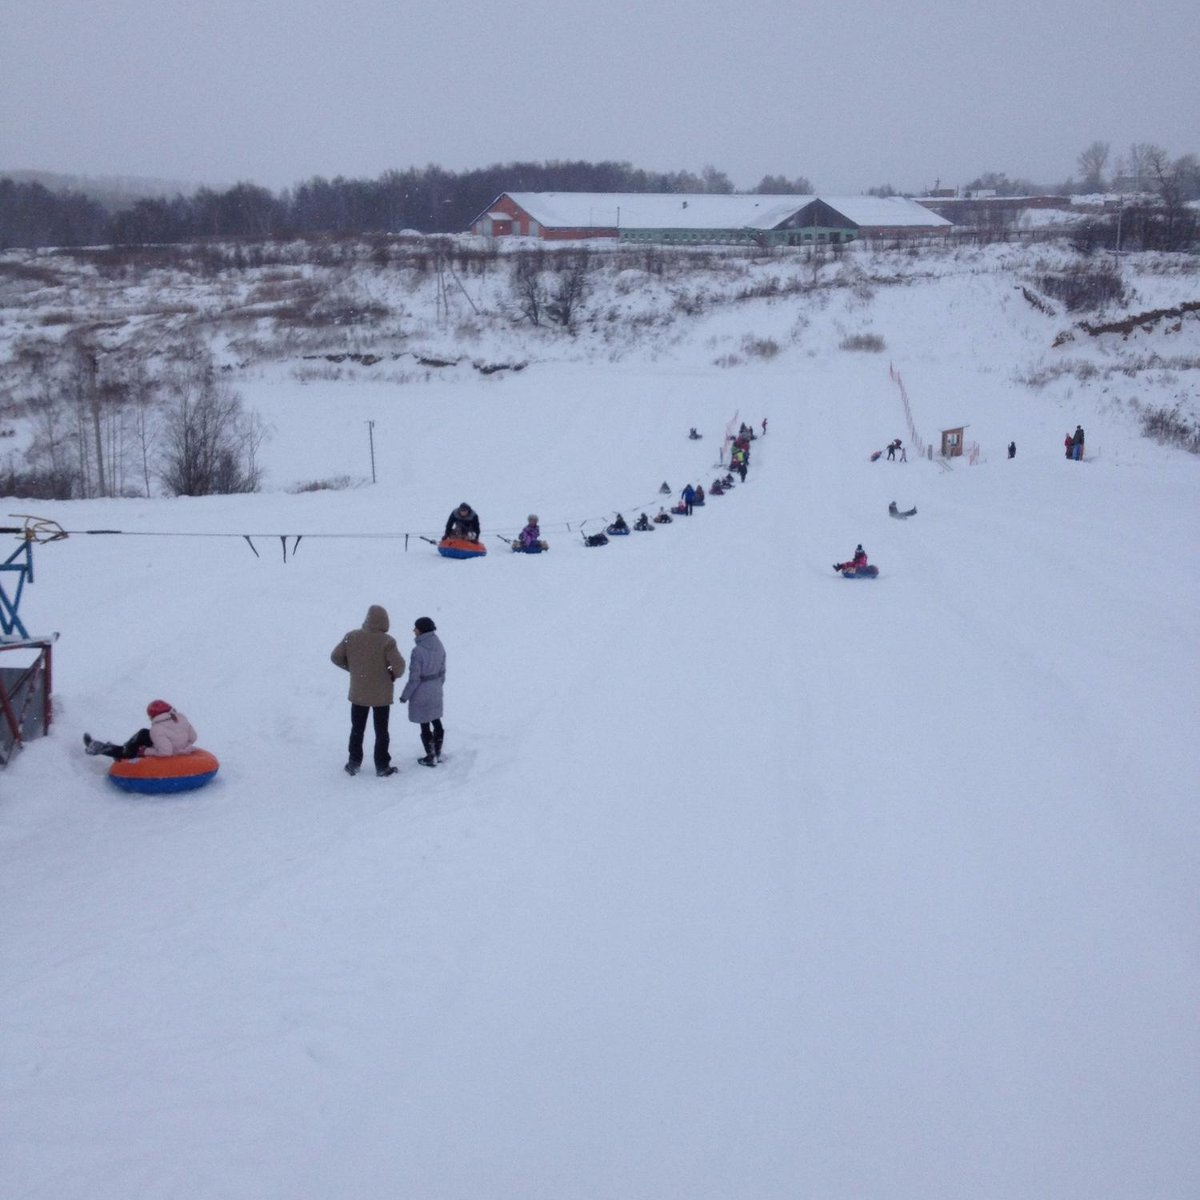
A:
373	659
1073	443
896	446
739	451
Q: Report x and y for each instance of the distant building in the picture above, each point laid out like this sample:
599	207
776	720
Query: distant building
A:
703	218
984	207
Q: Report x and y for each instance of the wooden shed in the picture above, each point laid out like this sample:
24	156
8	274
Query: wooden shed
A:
952	441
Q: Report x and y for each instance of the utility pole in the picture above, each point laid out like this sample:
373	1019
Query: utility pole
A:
371	439
94	400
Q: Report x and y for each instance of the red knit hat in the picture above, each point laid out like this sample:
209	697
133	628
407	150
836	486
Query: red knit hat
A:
156	708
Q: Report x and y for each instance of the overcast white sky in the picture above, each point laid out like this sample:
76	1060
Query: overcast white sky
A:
852	94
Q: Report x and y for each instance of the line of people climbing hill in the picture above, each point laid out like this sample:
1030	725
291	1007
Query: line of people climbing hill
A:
463	523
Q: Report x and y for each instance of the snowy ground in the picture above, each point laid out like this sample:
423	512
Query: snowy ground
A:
741	881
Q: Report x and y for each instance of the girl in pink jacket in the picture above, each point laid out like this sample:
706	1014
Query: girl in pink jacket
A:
170	732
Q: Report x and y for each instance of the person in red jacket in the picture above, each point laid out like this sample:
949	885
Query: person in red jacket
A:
859	560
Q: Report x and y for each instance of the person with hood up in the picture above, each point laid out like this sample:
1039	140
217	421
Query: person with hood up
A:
374	661
170	733
463	522
423	691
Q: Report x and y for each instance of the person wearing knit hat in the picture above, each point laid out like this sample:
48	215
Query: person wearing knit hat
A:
170	732
423	691
374	661
529	539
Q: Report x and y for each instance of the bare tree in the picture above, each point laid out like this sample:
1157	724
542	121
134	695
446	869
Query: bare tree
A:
781	185
210	443
52	447
1175	183
1138	161
715	181
528	288
83	386
1091	166
563	304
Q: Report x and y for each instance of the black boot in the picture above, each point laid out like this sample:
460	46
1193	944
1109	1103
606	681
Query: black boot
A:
437	746
430	759
92	746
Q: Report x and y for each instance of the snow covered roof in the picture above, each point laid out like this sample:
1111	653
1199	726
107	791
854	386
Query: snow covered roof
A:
656	210
884	211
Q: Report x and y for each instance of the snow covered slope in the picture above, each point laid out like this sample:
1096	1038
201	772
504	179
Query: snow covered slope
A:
741	880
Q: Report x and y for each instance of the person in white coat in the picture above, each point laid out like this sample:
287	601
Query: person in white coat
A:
169	733
423	691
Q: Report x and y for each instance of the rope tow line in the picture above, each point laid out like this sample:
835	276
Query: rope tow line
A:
45	529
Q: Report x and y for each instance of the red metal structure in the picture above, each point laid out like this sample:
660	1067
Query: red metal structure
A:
25	692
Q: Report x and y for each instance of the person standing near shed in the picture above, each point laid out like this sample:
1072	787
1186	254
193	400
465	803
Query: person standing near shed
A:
374	661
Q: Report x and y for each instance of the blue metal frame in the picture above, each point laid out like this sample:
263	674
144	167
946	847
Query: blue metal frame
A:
10	623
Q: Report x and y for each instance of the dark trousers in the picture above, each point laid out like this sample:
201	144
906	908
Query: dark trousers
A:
358	726
130	749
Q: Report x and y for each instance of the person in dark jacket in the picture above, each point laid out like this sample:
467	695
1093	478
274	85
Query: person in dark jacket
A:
859	560
374	661
463	522
1012	449
688	497
423	691
1077	444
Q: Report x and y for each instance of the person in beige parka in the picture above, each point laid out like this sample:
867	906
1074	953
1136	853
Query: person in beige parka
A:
374	661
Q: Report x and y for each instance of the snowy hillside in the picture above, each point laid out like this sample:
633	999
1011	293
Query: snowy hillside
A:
741	879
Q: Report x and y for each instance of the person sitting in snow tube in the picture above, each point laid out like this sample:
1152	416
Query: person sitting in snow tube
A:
161	759
662	517
170	733
642	524
857	563
693	435
529	540
717	489
894	511
463	523
699	500
618	527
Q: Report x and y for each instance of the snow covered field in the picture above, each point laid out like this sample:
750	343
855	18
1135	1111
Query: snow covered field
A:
741	880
